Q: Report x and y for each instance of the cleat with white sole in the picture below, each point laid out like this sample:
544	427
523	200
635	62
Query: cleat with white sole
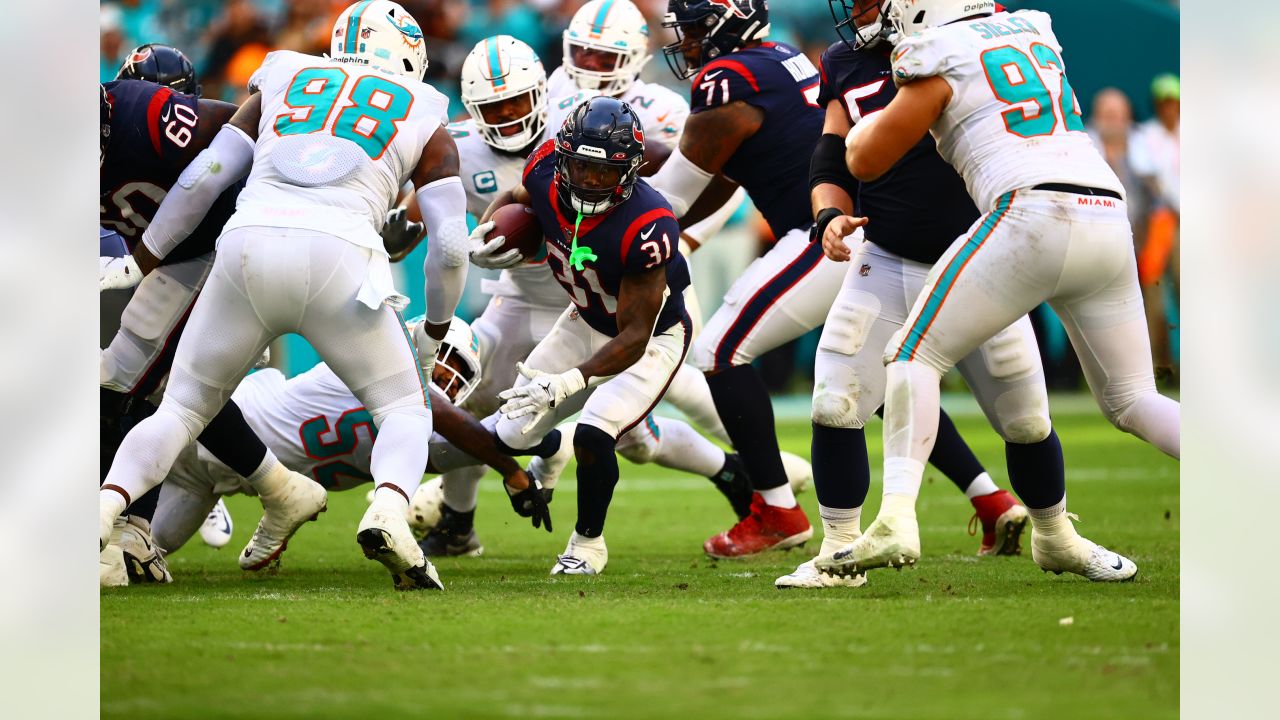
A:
799	472
384	535
807	575
143	561
890	541
111	568
217	526
1080	556
283	512
582	556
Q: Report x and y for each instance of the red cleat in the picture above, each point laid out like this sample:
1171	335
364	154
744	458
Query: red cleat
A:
1003	520
766	528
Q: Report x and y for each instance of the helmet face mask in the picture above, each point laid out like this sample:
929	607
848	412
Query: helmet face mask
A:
382	35
457	371
606	46
860	23
160	64
708	29
504	88
598	155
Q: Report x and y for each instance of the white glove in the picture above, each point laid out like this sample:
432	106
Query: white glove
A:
485	253
537	397
117	273
428	347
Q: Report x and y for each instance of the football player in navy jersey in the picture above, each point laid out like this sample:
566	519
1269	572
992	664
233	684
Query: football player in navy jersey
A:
915	211
613	245
149	133
754	123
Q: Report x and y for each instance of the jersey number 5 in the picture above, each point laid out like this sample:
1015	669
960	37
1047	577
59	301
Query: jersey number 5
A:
1016	80
369	119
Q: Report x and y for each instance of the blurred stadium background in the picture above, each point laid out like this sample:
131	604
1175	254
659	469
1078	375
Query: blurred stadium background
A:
1119	68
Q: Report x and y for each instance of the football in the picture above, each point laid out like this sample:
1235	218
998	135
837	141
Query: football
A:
520	226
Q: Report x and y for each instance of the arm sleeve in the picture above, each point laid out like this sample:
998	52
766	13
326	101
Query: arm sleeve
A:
828	166
227	160
444	212
706	228
680	182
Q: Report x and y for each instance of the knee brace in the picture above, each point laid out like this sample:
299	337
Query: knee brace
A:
590	444
1009	355
837	406
640	445
1022	415
837	391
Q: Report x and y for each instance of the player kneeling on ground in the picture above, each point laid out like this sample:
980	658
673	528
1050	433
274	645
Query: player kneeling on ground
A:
612	243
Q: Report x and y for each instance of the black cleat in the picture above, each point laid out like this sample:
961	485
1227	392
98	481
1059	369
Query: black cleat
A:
454	535
733	483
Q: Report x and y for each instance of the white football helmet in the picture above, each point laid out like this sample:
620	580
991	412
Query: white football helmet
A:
910	17
500	68
610	26
382	35
458	342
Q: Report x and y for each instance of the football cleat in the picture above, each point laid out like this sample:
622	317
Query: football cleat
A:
143	561
216	530
426	509
582	556
384	535
1002	520
733	483
548	470
808	576
1074	554
892	540
111	569
453	536
283	512
765	528
799	472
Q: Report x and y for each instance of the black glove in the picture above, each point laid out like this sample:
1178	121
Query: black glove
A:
399	236
532	503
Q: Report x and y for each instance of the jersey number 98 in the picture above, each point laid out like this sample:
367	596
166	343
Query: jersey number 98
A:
369	119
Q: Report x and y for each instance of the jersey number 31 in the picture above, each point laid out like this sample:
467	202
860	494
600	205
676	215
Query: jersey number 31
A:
369	119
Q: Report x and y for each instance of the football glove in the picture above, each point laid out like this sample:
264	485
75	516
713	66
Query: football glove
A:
489	254
400	235
531	502
540	395
118	273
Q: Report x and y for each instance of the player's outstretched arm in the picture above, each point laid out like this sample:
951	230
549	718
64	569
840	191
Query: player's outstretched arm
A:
710	139
880	140
443	204
640	298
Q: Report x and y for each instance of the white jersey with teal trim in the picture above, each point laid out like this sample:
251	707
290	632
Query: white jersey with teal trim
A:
1013	120
662	111
335	143
486	173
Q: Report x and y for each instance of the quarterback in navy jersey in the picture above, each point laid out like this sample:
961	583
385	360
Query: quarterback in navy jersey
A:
613	244
754	123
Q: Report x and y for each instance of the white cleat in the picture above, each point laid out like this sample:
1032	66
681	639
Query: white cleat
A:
384	535
891	541
283	512
799	472
808	576
427	507
108	516
582	556
216	530
143	561
1080	556
111	569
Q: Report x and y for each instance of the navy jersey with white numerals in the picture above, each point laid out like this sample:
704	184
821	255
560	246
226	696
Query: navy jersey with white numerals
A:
152	127
632	237
772	164
920	205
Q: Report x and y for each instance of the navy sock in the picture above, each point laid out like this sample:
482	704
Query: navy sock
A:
841	471
1037	472
597	476
952	456
145	506
545	448
230	439
742	400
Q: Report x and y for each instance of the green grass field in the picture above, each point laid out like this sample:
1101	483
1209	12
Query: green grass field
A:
665	632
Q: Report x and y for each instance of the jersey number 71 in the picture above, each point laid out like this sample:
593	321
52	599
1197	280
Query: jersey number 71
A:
369	119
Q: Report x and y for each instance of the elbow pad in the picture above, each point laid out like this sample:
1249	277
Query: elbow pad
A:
680	182
828	166
227	160
444	213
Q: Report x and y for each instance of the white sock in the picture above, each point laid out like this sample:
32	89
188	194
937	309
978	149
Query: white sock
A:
680	447
462	487
112	500
981	485
902	476
1052	520
270	476
780	496
840	526
390	494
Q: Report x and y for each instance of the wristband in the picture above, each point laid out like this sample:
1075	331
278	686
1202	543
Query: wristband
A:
825	216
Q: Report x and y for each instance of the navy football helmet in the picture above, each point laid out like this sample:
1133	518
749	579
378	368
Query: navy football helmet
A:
104	123
163	65
708	29
856	29
599	151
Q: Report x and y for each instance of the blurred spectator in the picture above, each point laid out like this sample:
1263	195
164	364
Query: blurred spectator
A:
1111	128
505	17
442	22
112	43
234	40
